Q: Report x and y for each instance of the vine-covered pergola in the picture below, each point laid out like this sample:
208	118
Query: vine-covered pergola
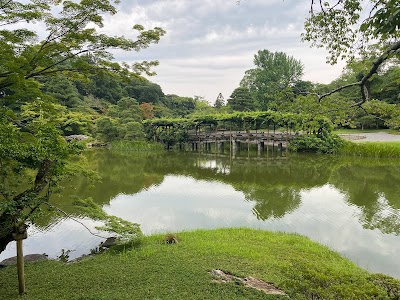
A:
164	129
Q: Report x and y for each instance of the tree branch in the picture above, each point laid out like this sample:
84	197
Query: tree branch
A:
55	64
73	219
4	5
363	82
338	90
381	59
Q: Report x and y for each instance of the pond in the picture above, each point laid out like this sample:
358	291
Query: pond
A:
352	205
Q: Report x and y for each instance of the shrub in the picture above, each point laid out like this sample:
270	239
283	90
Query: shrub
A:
328	143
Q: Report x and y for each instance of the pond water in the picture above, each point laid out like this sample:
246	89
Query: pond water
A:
351	205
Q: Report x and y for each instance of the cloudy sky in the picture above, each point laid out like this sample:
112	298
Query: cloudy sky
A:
211	43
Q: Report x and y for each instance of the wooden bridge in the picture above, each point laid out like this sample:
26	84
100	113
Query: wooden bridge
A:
235	139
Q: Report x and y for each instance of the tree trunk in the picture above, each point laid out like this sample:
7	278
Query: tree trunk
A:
5	238
23	201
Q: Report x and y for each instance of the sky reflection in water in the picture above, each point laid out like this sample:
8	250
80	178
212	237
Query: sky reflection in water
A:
182	203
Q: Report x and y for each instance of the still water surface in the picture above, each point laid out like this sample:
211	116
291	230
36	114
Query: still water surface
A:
351	205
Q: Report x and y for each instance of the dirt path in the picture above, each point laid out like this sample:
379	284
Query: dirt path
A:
372	137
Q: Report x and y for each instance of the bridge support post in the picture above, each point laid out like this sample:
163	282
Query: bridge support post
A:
220	147
280	147
235	146
260	147
201	146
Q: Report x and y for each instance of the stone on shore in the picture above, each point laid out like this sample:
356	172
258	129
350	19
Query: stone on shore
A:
27	258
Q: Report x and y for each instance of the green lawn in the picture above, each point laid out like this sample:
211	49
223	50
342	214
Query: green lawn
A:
155	270
358	131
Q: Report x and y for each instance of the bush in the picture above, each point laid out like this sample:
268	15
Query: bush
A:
328	143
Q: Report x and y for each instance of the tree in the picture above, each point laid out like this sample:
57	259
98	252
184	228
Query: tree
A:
106	85
220	101
274	72
202	107
107	129
61	88
33	154
134	131
242	100
180	106
345	28
386	86
147	110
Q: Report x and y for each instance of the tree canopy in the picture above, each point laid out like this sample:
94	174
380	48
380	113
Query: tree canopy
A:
33	153
273	73
242	100
347	27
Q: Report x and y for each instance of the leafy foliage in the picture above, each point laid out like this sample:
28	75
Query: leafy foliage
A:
338	26
242	100
275	72
127	230
319	144
39	79
171	131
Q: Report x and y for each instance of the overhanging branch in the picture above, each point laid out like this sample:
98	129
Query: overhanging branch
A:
363	82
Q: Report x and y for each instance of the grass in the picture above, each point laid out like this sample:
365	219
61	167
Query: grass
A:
155	270
369	130
371	149
138	146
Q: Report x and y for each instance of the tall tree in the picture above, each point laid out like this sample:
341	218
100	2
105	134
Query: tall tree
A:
33	154
274	72
220	101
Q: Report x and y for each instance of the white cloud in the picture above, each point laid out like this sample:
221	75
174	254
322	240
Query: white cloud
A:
211	43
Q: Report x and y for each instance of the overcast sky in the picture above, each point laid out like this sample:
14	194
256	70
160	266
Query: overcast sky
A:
211	43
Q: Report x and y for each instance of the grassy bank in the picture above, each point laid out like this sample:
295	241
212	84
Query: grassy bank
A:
371	149
136	146
360	131
155	270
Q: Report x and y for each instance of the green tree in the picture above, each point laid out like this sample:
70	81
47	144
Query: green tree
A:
242	100
180	106
134	131
61	88
274	72
386	86
220	101
33	153
71	34
202	107
107	129
346	28
106	85
76	123
128	108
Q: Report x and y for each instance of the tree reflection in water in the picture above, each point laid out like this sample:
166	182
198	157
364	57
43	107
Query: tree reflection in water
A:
273	184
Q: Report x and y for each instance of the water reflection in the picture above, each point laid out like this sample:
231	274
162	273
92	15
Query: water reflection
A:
351	205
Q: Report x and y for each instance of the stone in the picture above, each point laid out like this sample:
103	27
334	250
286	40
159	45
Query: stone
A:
255	283
27	258
76	137
111	241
